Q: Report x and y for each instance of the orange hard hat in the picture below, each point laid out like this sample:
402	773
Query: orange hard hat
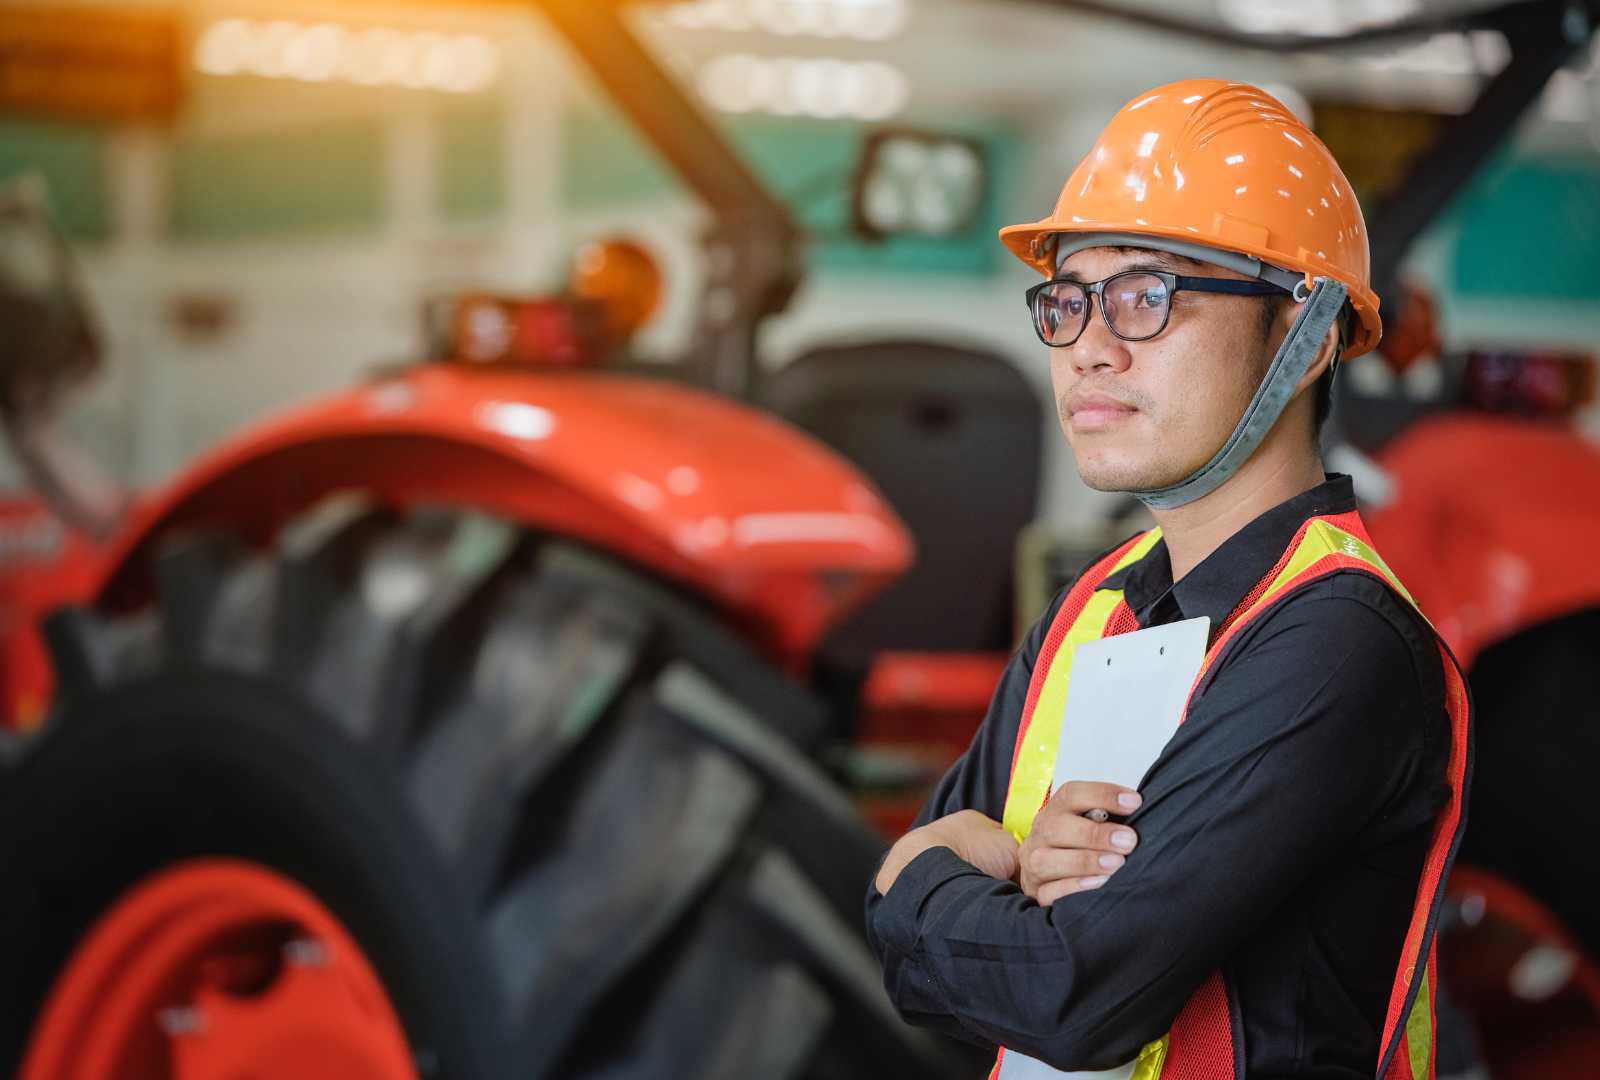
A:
1225	166
620	275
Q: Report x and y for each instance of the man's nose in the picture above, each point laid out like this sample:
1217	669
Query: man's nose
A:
1097	348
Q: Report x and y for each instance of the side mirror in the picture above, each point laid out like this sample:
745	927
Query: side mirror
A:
48	350
916	182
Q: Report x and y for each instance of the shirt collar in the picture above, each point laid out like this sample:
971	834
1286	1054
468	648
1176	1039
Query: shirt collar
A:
1215	587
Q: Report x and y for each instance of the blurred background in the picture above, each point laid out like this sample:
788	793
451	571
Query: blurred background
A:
235	208
260	216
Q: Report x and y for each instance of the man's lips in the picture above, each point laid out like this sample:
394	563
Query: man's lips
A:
1097	409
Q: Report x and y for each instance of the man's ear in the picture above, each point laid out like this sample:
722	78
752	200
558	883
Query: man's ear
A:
1326	355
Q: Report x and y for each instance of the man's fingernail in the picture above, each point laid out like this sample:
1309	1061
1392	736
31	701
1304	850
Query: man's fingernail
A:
1129	800
1092	882
1111	862
1123	839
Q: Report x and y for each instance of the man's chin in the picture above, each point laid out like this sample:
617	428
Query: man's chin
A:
1120	478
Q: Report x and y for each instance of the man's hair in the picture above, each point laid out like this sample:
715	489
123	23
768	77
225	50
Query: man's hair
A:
1324	402
1269	313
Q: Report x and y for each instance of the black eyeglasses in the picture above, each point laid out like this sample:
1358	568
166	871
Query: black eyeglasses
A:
1135	303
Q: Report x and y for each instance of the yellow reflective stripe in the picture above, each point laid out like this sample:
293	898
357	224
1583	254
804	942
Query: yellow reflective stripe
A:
1036	763
1147	1066
1419	1032
1321	540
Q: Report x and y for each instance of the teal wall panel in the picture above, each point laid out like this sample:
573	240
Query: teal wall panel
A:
809	164
472	162
603	162
1530	227
72	161
279	184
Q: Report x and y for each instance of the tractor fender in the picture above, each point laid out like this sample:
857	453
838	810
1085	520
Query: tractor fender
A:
751	514
1487	522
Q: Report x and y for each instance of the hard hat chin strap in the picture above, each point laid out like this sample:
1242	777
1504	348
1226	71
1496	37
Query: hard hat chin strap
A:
1289	366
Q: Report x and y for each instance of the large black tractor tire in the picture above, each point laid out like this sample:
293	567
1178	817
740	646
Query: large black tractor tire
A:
573	822
1532	815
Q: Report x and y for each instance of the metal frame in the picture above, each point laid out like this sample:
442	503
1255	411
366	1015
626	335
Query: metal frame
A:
1543	36
1422	26
1094	294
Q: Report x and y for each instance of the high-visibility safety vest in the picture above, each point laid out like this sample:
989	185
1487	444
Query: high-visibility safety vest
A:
1205	1042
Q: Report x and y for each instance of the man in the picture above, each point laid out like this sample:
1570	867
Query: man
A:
1264	904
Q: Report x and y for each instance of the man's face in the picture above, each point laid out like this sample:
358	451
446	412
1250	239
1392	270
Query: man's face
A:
1147	414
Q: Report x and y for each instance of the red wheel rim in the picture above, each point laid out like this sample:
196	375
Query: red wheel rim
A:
214	969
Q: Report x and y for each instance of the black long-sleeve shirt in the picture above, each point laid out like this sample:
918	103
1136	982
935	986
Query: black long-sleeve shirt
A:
1281	838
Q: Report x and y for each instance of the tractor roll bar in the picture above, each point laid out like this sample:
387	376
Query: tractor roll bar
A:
753	246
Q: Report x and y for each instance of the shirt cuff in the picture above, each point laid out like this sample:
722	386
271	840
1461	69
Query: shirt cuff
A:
896	914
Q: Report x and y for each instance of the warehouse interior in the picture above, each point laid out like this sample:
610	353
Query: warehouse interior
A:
510	507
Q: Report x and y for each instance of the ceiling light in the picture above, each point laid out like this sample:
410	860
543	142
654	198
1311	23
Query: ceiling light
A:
866	20
324	52
1567	98
1313	18
1478	52
823	87
911	181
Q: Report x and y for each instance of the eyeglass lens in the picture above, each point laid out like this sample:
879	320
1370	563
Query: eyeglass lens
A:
1134	306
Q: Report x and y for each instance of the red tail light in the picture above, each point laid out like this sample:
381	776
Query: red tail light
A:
1529	384
535	332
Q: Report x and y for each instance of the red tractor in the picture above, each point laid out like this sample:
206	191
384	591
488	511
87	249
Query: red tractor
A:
444	727
451	726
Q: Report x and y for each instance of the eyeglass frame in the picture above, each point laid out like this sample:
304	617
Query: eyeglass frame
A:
1175	283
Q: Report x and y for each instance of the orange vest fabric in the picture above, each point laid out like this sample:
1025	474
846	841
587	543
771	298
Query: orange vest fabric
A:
1203	1043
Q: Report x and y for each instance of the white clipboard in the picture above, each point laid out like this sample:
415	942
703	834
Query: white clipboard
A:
1124	703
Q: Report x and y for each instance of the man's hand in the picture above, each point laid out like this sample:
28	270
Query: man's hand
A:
977	839
1068	851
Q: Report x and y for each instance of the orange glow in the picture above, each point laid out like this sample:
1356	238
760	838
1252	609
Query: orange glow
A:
621	276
